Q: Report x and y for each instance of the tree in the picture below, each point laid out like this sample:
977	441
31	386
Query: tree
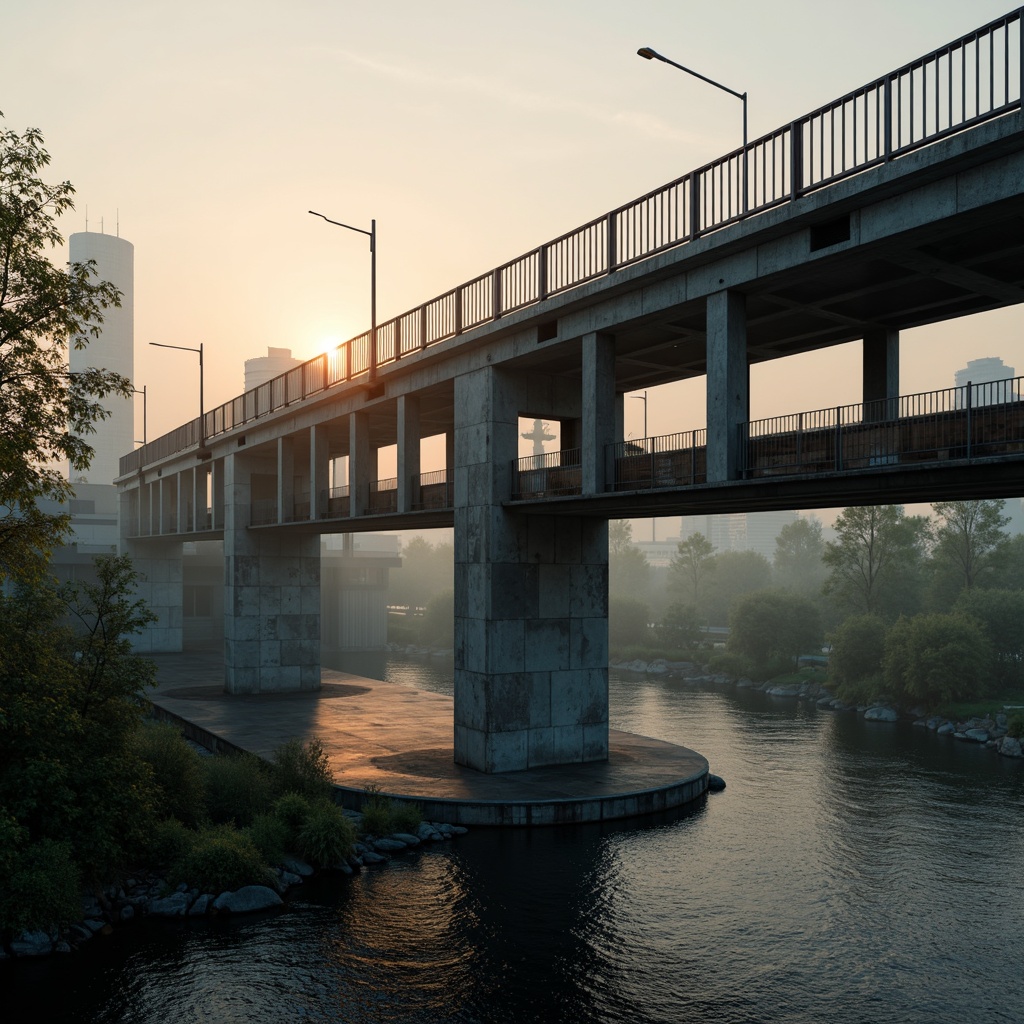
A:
772	628
733	574
875	561
936	659
620	536
855	662
681	628
798	563
967	534
1001	615
46	412
629	572
689	569
627	621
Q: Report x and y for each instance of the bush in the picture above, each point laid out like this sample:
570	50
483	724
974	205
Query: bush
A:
169	841
177	771
327	836
304	768
855	664
271	836
376	811
406	817
293	811
222	859
1015	726
42	886
729	663
627	621
238	787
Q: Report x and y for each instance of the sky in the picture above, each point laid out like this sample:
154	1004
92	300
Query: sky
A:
471	132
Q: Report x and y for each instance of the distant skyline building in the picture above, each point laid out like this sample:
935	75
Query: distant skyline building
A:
740	531
113	350
990	381
263	368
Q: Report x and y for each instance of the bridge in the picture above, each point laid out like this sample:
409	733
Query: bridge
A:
897	205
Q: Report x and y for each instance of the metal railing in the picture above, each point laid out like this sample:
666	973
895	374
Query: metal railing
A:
968	422
547	476
433	490
669	460
970	80
383	496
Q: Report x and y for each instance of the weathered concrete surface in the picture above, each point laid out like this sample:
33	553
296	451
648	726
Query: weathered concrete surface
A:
400	739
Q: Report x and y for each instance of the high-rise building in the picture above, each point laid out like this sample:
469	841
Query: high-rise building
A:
263	368
990	379
113	350
740	531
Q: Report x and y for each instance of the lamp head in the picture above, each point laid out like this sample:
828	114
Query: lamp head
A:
647	53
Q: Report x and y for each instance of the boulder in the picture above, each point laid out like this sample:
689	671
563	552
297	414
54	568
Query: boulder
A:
880	714
407	838
715	783
372	857
977	735
247	899
946	729
1009	746
388	845
297	867
36	943
175	905
201	905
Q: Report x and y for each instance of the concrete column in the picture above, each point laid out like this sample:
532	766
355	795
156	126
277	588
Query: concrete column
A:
408	451
598	408
186	484
159	566
881	374
285	479
728	383
271	598
531	602
362	461
217	476
319	471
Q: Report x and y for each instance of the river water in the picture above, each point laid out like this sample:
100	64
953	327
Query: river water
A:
850	872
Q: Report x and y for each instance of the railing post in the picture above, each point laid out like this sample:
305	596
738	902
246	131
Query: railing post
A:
800	439
496	309
969	410
348	360
796	159
457	301
694	205
542	273
610	238
887	129
398	337
839	438
423	326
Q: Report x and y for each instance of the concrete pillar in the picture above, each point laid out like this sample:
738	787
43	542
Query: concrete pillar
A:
881	374
285	479
531	603
408	451
159	565
598	408
319	471
362	461
217	477
271	598
186	484
728	383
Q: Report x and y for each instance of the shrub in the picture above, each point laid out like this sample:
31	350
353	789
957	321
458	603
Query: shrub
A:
729	663
168	842
304	768
406	817
855	664
327	835
177	771
292	810
222	859
1015	726
238	787
43	886
627	621
376	811
271	836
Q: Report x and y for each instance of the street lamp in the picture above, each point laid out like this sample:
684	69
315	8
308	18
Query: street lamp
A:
372	233
136	391
202	418
643	398
648	54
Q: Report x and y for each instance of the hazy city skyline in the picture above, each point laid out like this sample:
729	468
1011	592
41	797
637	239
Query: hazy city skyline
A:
470	133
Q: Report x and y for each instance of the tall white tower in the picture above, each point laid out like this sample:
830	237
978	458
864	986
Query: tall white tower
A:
113	350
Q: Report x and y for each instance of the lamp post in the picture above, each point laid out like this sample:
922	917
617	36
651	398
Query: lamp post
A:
643	398
136	391
202	418
648	54
372	233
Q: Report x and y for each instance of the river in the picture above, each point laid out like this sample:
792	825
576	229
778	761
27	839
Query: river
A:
850	872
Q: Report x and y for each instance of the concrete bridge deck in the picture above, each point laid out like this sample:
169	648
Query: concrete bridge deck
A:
399	739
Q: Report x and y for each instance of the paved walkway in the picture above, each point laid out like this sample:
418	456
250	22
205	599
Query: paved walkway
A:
399	739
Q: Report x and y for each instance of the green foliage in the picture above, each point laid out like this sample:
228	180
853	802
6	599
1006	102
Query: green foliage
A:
629	572
772	628
292	810
936	659
734	574
690	568
855	664
41	888
69	769
729	663
45	412
437	626
1015	726
798	562
168	842
222	859
304	768
176	769
238	787
406	817
1001	615
680	628
426	569
876	560
327	836
968	532
627	621
271	836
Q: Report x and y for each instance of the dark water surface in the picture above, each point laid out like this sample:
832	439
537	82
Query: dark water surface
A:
850	872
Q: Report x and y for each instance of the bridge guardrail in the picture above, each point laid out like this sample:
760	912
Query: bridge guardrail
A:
970	80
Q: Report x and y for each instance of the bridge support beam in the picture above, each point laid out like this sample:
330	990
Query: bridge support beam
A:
599	421
362	463
159	565
271	598
531	602
728	383
408	451
881	373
